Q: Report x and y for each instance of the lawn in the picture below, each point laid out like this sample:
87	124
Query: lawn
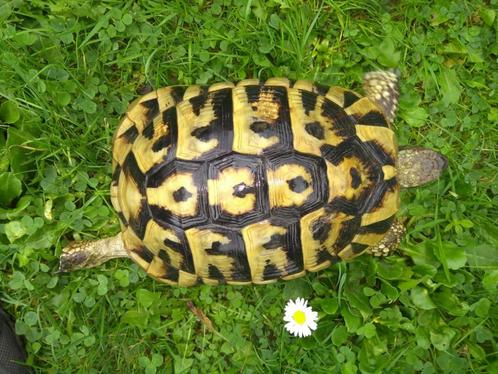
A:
68	70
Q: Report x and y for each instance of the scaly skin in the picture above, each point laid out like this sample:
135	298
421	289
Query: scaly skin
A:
418	166
91	253
390	242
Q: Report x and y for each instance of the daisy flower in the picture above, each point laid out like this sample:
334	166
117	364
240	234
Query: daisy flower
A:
300	318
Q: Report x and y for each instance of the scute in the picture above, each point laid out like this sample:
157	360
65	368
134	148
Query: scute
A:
175	194
252	182
294	183
205	125
219	255
237	190
261	122
273	250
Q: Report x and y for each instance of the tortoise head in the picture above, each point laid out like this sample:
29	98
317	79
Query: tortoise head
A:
418	166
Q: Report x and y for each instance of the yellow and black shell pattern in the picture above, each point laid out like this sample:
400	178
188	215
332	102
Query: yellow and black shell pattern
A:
252	182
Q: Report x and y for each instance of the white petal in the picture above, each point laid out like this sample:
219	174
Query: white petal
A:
310	318
289	328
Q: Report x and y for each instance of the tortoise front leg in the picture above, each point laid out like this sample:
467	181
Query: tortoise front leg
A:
391	240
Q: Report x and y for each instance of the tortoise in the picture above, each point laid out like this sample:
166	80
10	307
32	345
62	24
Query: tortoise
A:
257	181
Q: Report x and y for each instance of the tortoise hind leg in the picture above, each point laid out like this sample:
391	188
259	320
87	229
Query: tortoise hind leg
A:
390	241
91	253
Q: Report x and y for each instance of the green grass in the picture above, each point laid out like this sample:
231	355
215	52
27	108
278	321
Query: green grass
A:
68	70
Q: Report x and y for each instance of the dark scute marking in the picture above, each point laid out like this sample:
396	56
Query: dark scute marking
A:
289	243
358	247
197	102
115	175
175	246
379	153
335	154
291	268
163	142
347	232
271	272
380	227
222	103
218	248
373	118
215	248
376	194
215	273
392	183
220	127
183	249
350	98
252	93
234	249
177	93
180	245
372	197
130	135
292	82
153	109
331	109
181	194
204	133
298	184
163	255
343	124
170	121
144	253
166	217
308	99
321	229
324	255
321	89
355	177
276	241
131	169
341	204
241	190
170	117
172	273
148	131
315	129
263	129
363	200
139	223
122	218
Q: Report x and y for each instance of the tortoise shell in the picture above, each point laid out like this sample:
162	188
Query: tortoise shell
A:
252	182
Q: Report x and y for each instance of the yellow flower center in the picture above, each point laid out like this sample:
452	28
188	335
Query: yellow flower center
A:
299	317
